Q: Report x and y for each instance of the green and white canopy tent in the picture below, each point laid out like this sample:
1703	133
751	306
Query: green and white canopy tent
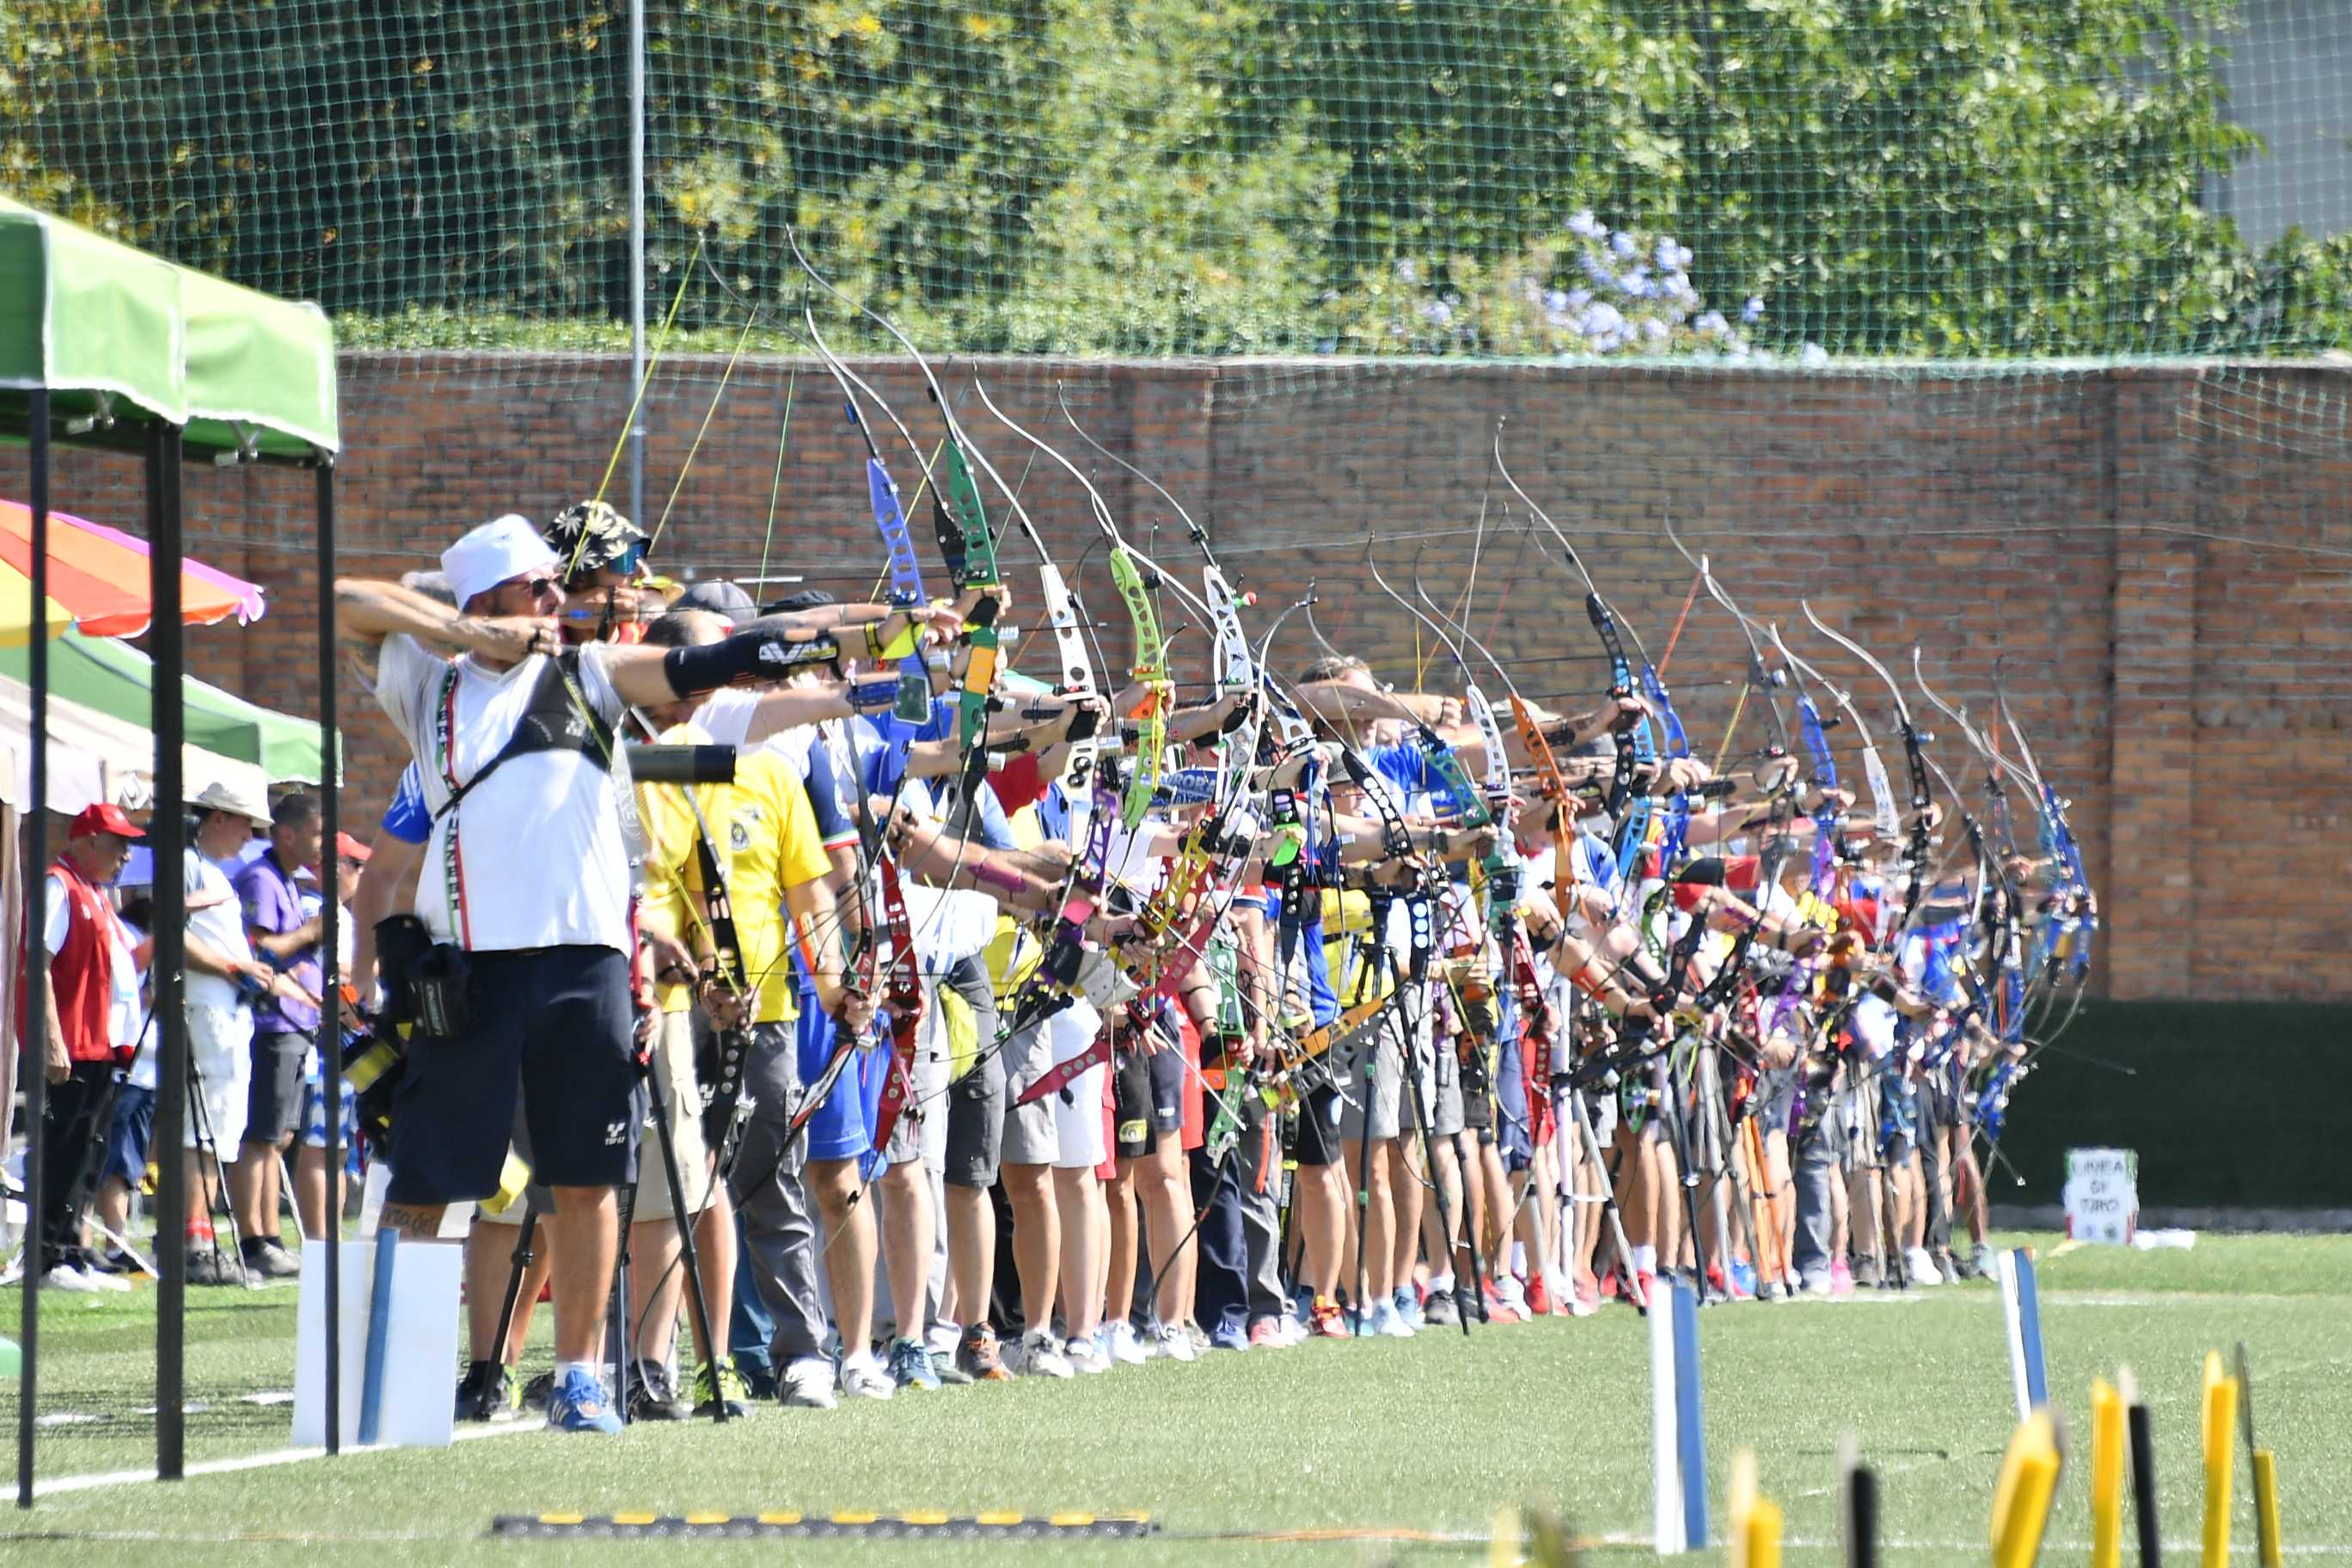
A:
112	678
121	339
103	346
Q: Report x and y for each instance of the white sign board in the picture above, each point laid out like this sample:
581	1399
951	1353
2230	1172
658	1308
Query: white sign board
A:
420	1339
2102	1195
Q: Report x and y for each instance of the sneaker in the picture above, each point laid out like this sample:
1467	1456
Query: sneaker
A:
944	1368
653	1394
1980	1263
488	1392
1864	1273
1034	1355
1539	1298
1441	1311
1921	1265
266	1259
910	1365
759	1379
578	1403
1170	1343
1821	1284
863	1376
1089	1353
1388	1322
1408	1305
1125	1344
1288	1331
976	1353
1646	1286
1583	1296
1326	1322
1501	1310
1743	1281
807	1384
1266	1334
210	1268
538	1391
68	1276
723	1382
1231	1338
1947	1266
1200	1338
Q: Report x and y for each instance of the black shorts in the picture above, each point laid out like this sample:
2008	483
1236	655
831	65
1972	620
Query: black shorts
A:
976	1100
1319	1142
273	1097
552	1028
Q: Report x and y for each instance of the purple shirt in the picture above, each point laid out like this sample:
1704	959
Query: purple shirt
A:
273	904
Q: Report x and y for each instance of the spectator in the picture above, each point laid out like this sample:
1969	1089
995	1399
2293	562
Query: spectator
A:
93	961
270	890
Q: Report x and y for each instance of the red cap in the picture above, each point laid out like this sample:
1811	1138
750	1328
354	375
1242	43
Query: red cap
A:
350	849
103	816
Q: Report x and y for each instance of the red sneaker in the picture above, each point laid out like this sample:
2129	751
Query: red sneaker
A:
1497	1310
1326	1322
1538	1298
1263	1333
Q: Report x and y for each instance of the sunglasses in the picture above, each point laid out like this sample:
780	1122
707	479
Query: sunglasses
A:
538	587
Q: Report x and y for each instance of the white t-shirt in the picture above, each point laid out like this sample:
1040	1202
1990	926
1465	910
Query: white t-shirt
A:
216	919
538	859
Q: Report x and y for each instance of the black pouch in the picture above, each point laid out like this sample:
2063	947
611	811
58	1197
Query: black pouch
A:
428	985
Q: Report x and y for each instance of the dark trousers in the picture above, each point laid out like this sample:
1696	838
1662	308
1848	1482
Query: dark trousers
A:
1239	1279
70	1134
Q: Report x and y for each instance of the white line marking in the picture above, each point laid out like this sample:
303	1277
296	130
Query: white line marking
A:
262	1461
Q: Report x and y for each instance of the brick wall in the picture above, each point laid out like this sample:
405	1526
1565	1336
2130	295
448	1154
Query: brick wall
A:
2123	541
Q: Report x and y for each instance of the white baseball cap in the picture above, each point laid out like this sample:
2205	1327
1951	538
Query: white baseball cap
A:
497	552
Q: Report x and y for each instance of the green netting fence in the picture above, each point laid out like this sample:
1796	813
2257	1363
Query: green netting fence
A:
1795	178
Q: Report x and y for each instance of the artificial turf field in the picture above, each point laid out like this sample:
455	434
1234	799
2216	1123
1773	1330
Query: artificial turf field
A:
1405	1441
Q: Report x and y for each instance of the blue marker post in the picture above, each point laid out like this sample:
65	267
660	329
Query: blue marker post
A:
379	1329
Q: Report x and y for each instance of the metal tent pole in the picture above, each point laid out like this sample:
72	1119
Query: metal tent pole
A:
330	917
33	1064
636	258
167	834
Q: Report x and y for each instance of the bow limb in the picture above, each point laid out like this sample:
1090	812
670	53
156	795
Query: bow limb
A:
1914	758
1150	650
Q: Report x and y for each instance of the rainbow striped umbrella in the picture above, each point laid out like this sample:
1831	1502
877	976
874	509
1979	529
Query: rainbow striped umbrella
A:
98	581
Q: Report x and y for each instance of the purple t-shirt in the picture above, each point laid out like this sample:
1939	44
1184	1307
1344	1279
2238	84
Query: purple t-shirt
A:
273	903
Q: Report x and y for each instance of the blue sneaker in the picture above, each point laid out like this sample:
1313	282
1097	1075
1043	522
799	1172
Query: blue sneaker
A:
1229	1337
1408	1305
1743	1281
578	1403
910	1367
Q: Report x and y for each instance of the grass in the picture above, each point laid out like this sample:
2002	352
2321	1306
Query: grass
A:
1427	1436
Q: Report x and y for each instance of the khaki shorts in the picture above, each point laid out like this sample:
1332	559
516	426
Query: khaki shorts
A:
220	1063
680	1091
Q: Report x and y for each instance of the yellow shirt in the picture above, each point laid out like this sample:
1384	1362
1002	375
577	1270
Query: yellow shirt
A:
766	841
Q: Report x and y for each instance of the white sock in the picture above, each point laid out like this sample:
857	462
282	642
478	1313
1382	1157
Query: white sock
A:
564	1369
1645	1260
1441	1283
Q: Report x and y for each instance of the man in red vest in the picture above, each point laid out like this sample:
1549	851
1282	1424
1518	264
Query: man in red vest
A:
93	964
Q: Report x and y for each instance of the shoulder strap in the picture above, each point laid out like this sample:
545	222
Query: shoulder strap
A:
556	718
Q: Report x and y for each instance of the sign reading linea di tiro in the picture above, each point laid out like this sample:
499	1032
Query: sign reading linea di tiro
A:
2102	1195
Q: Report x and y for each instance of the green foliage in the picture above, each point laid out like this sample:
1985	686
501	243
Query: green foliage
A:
1935	178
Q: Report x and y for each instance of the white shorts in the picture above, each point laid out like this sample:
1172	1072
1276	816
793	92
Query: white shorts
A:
1079	1120
220	1065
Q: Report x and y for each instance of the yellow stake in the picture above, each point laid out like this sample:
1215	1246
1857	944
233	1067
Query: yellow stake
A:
2221	1448
2021	1503
2107	1475
1764	1534
2266	1509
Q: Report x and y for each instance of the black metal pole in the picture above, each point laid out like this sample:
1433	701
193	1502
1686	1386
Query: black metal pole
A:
330	920
167	835
34	1064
